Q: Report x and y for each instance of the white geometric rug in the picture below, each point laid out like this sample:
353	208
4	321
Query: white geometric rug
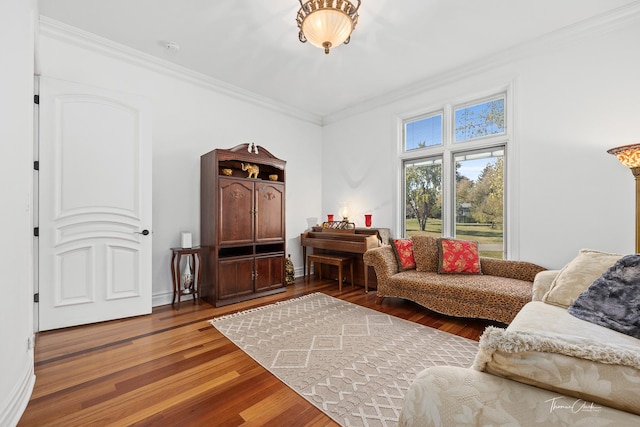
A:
355	364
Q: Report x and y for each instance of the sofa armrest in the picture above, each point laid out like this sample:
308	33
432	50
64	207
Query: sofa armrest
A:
520	270
542	283
383	261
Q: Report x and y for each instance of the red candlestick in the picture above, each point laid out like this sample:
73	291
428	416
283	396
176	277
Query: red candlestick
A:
330	218
367	220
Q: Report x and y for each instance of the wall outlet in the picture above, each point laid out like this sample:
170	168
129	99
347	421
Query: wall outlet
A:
31	342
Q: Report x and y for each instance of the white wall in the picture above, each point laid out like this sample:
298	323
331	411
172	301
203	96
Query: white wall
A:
17	23
575	95
191	118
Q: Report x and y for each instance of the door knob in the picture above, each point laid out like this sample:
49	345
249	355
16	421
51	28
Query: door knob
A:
143	232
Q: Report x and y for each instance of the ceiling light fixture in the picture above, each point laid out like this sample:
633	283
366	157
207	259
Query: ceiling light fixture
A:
327	23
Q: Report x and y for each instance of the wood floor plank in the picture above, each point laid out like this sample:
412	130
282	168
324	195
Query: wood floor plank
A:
173	368
134	405
264	411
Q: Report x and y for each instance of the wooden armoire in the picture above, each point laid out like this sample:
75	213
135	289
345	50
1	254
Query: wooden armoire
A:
242	224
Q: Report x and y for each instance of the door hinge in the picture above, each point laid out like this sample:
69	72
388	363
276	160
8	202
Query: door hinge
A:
36	99
36	297
36	165
36	231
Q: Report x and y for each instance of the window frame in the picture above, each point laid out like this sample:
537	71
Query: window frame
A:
449	150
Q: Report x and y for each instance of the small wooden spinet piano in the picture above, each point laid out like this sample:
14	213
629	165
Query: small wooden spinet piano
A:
355	243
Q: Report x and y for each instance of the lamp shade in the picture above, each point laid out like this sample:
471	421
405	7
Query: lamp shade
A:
327	23
629	155
344	211
326	28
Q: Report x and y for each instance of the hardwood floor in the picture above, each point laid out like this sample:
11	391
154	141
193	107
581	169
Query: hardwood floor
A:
173	368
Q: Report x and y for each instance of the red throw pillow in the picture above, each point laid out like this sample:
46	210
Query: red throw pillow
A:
458	256
403	249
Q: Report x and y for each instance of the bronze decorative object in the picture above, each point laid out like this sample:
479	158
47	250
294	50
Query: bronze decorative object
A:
289	271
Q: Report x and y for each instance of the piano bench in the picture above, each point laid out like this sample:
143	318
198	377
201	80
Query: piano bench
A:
339	261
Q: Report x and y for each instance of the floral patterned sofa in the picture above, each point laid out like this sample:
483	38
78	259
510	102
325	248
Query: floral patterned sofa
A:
498	293
550	366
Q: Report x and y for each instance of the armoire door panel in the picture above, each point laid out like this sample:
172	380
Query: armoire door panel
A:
235	278
235	211
269	272
270	212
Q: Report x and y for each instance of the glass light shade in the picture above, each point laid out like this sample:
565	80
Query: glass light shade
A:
629	155
327	28
344	212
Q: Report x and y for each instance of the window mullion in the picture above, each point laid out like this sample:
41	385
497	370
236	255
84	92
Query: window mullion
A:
448	196
448	172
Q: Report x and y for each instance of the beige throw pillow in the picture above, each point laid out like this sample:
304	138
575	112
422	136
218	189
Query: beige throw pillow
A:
578	275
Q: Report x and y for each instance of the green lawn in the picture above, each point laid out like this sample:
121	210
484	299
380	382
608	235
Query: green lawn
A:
482	233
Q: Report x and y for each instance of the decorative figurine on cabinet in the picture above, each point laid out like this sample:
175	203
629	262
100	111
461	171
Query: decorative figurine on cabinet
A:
289	271
253	169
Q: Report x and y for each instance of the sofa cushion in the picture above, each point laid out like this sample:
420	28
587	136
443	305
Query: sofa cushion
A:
542	283
613	299
521	270
578	275
403	250
425	252
463	295
458	256
453	396
547	347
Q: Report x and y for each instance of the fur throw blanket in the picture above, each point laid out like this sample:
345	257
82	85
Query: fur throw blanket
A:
497	339
613	300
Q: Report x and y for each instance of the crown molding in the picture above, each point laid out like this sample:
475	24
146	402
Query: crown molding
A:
599	24
58	30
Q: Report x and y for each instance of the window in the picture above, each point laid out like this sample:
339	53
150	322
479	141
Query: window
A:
478	120
423	132
423	195
454	173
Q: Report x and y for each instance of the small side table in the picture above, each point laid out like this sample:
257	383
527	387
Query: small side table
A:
196	260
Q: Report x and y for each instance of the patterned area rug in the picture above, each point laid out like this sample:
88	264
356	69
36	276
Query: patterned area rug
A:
353	363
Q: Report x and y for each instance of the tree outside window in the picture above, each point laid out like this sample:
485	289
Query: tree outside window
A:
423	194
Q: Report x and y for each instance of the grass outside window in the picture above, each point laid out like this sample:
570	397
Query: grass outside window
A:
484	234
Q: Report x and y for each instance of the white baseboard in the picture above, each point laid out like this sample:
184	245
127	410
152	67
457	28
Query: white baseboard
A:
161	299
165	298
12	409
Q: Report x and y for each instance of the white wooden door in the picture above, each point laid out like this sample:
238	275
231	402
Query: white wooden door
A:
94	187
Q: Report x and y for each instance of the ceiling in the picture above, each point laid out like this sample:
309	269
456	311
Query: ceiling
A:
253	44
